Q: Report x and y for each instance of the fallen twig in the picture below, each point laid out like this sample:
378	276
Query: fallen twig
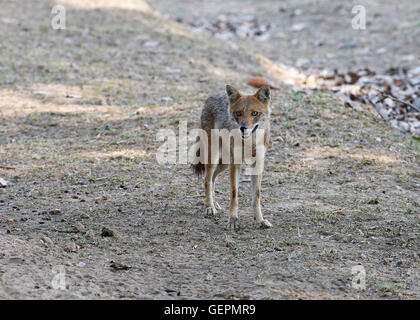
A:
7	167
400	101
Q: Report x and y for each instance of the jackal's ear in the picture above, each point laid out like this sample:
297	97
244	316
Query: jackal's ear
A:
263	94
232	93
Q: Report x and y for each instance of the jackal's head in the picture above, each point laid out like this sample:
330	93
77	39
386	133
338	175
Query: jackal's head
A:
248	111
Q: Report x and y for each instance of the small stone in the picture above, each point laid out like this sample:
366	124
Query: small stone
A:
381	50
298	27
72	247
3	183
107	232
79	227
348	45
296	13
90	234
119	266
407	58
416	103
10	221
151	44
55	211
171	70
47	242
318	43
165	99
84	216
302	62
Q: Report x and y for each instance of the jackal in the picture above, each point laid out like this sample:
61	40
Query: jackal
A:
246	117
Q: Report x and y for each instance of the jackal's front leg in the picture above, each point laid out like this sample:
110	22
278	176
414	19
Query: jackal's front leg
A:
234	186
220	168
256	179
208	189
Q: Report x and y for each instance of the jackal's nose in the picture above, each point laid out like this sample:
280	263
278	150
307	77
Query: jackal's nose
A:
243	128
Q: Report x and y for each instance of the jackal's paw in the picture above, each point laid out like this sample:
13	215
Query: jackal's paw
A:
217	206
210	212
233	223
264	224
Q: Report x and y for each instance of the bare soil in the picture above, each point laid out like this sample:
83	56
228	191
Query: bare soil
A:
80	109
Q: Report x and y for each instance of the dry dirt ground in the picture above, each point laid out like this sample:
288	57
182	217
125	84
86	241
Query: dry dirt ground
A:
80	109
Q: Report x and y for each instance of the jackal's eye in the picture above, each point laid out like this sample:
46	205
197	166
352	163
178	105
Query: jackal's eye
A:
238	113
254	113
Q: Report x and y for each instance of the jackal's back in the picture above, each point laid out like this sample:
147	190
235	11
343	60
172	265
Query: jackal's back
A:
215	114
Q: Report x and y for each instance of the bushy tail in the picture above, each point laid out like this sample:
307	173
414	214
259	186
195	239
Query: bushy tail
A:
198	168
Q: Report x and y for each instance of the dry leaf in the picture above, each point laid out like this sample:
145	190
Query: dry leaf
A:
258	82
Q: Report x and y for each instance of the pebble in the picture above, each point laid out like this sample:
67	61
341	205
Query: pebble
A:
298	27
107	232
416	103
80	227
71	247
302	62
381	50
55	211
90	234
171	70
348	45
3	183
47	242
151	44
165	99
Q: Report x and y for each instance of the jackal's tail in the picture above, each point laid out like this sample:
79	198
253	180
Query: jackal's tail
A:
198	168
